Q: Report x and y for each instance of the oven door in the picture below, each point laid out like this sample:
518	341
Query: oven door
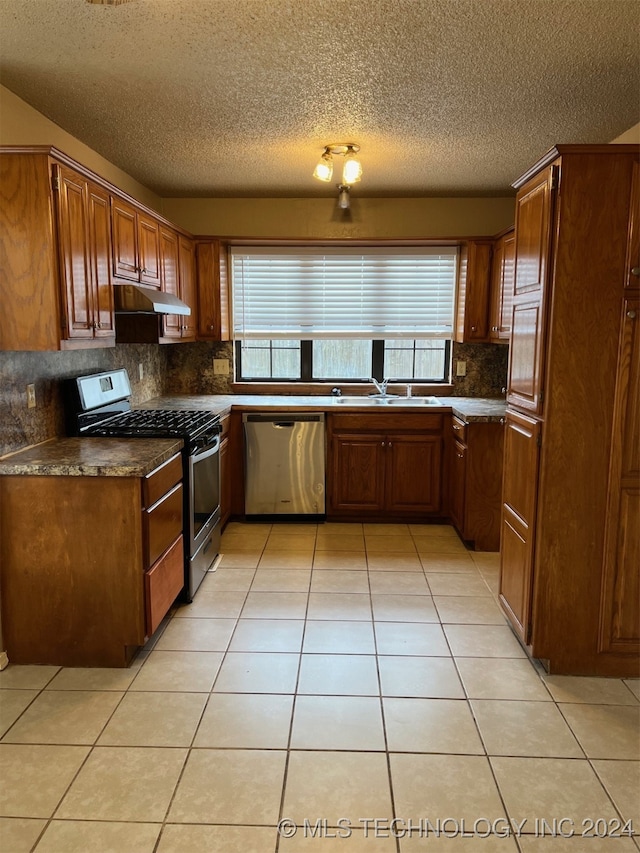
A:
203	511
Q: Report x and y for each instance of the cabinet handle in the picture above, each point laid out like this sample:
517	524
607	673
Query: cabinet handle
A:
382	444
457	428
631	315
502	421
389	445
474	328
459	455
211	327
98	325
635	270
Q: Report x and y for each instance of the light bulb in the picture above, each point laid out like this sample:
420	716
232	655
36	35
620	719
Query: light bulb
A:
352	171
343	197
324	169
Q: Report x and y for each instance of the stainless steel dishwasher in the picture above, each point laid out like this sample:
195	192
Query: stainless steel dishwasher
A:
284	464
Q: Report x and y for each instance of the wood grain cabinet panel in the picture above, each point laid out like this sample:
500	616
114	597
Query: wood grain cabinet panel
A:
170	280
162	585
136	244
213	291
358	468
474	285
502	285
187	259
413	467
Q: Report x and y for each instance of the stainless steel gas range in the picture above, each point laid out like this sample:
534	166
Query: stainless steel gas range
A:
100	405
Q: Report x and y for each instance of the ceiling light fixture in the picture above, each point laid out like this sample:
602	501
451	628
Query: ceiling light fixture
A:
351	170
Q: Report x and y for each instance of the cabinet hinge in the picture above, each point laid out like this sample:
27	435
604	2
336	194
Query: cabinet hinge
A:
55	181
541	397
555	176
539	439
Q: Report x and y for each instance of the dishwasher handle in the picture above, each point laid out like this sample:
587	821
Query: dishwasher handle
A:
283	424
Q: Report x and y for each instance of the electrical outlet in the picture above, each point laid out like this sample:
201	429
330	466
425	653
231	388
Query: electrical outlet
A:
221	366
461	368
140	371
31	396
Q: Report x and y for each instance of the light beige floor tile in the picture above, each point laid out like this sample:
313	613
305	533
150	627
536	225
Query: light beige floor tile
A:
576	844
501	678
398	638
392	561
285	528
234	542
339	560
439	786
257	672
175	671
18	835
196	635
34	778
275	605
212	604
64	716
398	583
402	544
605	731
253	527
290	542
340	580
338	675
433	530
27	677
622	781
268	635
177	838
337	637
439	545
340	527
232	579
349	542
124	784
339	605
75	836
457	583
358	841
403	608
154	719
469	610
486	560
431	725
337	722
434	678
12	704
240	559
483	641
551	788
334	785
245	721
524	728
281	580
634	686
237	786
86	678
457	843
385	529
450	563
593	691
286	560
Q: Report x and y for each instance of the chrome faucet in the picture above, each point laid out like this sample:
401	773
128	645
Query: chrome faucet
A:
381	386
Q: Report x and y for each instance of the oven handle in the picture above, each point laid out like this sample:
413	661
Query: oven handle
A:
208	450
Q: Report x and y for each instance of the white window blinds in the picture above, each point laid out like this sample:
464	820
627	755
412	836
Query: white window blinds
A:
343	292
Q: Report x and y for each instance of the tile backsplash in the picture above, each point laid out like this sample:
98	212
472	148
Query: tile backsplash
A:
171	369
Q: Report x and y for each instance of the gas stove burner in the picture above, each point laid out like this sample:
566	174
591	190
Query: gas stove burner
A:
155	421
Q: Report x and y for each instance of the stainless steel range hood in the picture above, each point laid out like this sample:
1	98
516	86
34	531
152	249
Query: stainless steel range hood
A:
136	298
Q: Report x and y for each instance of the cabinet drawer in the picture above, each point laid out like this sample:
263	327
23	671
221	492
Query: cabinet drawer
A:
158	482
162	523
225	426
459	429
162	583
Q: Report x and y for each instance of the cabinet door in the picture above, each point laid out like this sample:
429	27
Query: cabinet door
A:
519	496
620	603
187	257
474	283
125	240
497	264
633	245
99	217
74	261
357	470
413	473
225	482
171	323
458	478
149	250
506	286
532	265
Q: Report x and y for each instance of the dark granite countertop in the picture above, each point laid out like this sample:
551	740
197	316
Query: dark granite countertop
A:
91	457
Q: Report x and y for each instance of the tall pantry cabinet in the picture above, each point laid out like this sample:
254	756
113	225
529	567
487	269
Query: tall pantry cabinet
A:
571	497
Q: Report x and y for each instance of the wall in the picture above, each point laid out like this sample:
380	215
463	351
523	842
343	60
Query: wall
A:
629	137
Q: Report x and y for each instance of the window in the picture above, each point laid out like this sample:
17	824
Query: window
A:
343	313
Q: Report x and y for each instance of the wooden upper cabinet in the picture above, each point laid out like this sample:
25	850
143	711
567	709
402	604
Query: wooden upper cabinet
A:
213	291
534	214
169	277
136	244
502	282
632	279
474	283
99	221
187	279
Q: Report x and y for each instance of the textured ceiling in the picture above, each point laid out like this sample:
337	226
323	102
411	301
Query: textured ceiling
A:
238	97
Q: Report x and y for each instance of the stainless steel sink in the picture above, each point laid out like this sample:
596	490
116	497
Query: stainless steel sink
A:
387	400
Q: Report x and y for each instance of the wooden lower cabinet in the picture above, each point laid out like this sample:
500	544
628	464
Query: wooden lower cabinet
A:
383	466
81	583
